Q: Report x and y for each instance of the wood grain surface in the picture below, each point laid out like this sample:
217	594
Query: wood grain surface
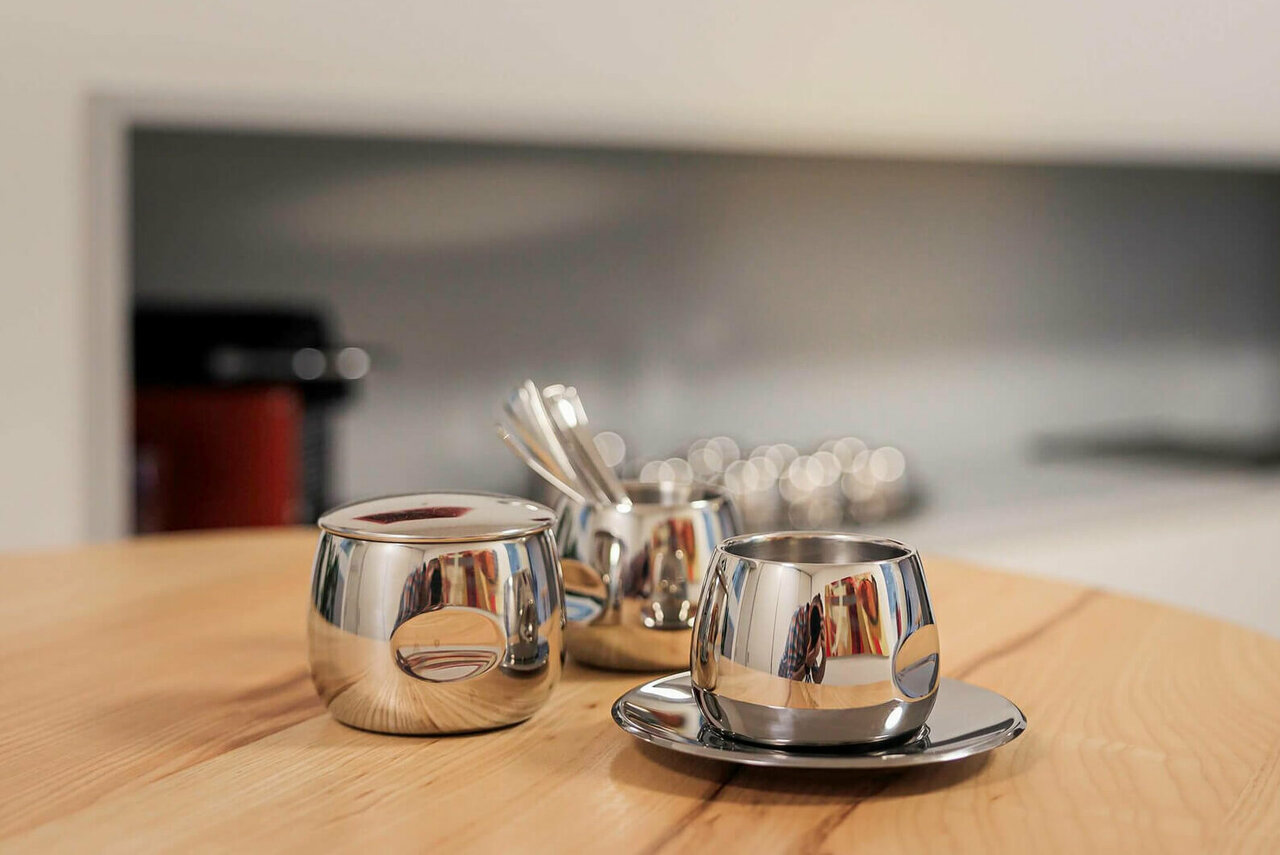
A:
156	697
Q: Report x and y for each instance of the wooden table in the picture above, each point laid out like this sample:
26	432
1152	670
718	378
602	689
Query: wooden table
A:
156	696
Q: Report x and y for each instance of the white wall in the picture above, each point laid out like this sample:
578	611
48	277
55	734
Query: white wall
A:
1145	79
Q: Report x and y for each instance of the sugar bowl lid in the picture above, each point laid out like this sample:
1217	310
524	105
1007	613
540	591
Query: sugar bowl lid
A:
438	518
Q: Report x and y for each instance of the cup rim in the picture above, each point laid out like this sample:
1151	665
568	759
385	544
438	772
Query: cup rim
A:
711	495
743	546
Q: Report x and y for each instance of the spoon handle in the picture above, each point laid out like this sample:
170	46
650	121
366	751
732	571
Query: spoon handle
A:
520	450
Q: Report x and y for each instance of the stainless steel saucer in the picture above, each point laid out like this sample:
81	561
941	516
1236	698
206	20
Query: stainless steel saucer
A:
966	720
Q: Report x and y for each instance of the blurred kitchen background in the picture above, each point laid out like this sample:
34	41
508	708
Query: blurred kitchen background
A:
1027	314
1019	336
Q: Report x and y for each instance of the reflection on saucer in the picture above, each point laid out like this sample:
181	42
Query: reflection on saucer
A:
966	721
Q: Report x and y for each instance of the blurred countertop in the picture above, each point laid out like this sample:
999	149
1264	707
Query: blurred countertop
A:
1207	540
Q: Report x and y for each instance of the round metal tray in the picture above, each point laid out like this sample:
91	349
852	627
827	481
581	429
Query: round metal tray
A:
966	720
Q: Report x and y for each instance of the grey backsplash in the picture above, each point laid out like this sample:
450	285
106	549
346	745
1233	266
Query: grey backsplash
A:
954	309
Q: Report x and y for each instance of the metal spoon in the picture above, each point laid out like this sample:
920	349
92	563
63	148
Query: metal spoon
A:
570	419
591	482
540	420
531	439
530	459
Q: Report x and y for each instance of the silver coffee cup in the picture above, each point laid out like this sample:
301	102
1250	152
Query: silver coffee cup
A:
633	573
815	639
436	612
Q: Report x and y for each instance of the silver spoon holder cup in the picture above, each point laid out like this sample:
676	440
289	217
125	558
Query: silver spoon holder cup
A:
634	573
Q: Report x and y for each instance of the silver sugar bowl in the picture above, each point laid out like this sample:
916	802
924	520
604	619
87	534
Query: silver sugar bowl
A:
633	573
436	612
815	639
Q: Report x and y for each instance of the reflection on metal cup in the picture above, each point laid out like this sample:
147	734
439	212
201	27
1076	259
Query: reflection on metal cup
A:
436	613
815	639
633	573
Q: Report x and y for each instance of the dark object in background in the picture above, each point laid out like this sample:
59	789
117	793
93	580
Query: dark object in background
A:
218	457
231	415
1260	451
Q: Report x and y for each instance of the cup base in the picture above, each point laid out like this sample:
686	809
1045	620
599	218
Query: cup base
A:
782	727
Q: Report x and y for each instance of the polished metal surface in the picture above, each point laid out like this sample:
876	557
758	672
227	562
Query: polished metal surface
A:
543	438
575	448
537	418
570	419
815	638
436	635
531	459
966	720
438	518
633	573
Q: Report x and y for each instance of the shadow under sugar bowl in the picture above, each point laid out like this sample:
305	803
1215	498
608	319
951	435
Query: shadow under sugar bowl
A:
436	612
633	573
815	639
